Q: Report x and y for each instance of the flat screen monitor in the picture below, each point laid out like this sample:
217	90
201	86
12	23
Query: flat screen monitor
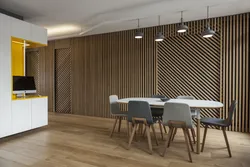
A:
23	84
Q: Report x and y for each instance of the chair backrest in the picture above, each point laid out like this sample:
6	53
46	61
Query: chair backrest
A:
158	96
177	112
231	111
114	106
139	109
185	97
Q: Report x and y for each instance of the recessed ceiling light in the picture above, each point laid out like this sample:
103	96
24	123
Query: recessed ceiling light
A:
63	29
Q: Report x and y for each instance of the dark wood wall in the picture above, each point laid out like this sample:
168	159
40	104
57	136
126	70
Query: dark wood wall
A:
117	63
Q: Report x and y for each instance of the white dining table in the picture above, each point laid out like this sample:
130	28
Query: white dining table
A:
197	104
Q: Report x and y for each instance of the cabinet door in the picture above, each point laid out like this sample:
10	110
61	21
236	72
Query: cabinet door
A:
39	112
21	115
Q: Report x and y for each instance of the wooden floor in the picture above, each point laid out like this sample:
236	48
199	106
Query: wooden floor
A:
77	141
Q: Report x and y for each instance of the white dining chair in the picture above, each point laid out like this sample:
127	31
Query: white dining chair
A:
193	114
117	113
178	115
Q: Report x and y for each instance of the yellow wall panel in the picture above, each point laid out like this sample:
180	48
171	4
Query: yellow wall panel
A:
17	59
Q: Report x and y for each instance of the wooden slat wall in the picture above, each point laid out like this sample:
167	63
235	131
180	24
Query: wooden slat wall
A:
235	68
113	63
116	63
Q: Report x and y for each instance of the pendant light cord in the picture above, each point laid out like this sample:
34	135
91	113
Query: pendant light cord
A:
181	17
138	23
159	22
208	17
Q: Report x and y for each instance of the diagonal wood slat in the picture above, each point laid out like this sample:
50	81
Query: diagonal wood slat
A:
190	65
63	79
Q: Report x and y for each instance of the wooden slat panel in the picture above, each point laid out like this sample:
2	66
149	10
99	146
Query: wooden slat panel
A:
236	69
190	65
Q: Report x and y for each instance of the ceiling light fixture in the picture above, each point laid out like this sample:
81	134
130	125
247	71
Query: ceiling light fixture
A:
138	33
159	36
182	27
21	43
208	32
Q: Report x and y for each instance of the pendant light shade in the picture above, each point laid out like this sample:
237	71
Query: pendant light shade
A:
159	36
138	33
182	27
208	32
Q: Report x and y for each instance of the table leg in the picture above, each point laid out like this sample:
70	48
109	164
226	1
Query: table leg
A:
198	133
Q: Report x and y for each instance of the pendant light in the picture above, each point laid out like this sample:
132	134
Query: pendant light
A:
182	27
159	36
138	33
208	32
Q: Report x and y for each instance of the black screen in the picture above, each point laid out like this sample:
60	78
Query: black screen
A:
23	83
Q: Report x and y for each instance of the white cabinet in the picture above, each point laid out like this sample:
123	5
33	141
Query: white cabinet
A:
38	34
29	114
20	29
39	108
21	116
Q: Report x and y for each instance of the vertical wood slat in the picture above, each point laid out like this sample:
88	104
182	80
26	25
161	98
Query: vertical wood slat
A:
119	64
236	69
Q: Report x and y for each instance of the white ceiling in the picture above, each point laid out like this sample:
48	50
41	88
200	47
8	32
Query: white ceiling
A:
67	18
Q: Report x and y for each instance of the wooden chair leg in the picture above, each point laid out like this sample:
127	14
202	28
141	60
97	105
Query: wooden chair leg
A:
171	134
204	138
167	141
136	129
164	127
153	128
144	132
226	139
128	129
132	135
160	125
190	141
149	139
113	129
140	129
120	122
174	133
186	140
193	134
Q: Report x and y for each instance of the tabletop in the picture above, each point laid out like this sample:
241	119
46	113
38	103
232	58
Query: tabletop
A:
191	103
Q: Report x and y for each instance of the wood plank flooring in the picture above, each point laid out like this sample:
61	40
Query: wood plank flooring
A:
78	141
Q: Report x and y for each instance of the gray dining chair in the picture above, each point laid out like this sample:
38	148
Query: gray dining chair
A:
178	115
157	113
139	112
222	123
117	113
193	114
